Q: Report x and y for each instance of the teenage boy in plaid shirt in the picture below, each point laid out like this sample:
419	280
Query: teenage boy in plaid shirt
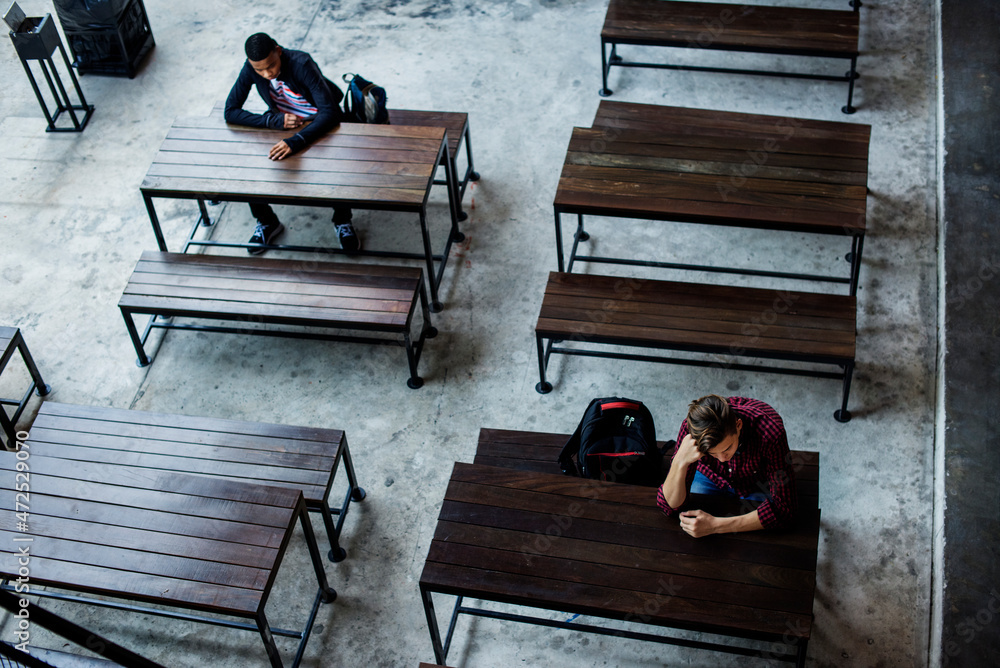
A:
734	447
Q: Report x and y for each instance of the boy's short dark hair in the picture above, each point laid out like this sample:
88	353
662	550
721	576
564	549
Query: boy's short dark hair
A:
259	46
710	421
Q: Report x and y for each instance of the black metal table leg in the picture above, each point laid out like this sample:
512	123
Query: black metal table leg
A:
844	415
432	625
204	218
559	243
328	594
265	633
141	358
471	173
454	205
852	75
436	305
605	67
543	386
155	222
857	245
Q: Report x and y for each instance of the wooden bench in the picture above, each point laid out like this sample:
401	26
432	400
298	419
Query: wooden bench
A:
11	341
819	33
300	458
277	292
709	319
604	550
457	126
539	451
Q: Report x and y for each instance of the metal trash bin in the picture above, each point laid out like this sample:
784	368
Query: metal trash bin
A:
36	38
106	36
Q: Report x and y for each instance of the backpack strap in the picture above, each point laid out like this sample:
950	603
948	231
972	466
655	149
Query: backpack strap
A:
572	447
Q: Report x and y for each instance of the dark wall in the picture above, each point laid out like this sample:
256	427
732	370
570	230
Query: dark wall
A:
971	67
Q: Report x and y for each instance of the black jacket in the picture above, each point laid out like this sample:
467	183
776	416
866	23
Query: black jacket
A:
303	76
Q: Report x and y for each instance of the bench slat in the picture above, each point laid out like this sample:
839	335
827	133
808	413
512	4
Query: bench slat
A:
751	300
375	274
713	122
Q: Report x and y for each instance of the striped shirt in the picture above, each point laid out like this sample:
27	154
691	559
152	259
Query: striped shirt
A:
762	463
289	101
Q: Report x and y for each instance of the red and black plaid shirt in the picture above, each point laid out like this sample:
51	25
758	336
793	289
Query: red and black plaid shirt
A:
762	463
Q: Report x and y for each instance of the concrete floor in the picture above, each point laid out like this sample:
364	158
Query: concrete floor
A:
72	225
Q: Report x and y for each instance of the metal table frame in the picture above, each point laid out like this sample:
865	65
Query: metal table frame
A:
580	234
433	277
8	423
441	648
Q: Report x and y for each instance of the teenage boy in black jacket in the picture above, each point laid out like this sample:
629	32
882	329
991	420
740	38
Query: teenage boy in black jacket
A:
299	98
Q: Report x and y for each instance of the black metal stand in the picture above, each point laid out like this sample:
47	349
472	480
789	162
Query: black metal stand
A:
37	39
16	342
791	652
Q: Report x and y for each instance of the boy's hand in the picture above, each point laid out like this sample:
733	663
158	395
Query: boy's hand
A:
697	523
687	452
280	151
292	122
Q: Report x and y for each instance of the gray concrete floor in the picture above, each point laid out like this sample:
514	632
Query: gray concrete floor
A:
72	225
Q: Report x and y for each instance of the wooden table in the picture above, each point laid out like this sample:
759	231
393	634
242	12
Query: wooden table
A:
382	167
152	537
605	550
300	458
717	168
11	341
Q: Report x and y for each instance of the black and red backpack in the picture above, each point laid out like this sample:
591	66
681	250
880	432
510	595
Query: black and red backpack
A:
615	441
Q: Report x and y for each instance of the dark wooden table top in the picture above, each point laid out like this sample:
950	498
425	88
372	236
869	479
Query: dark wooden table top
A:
718	167
299	458
605	549
363	166
151	536
738	26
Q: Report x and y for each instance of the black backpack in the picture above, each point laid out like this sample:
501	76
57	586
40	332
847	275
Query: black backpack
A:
364	102
615	441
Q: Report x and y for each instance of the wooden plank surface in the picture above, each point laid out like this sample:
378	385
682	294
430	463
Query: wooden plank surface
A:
355	164
717	167
703	318
456	123
793	30
590	547
215	448
539	451
327	294
151	536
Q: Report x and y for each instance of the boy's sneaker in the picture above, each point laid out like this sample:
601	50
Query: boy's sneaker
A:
348	237
264	234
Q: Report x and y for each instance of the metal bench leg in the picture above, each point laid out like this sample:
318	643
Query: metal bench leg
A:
41	389
414	382
204	218
462	215
800	659
354	493
327	593
543	386
155	222
7	425
140	352
844	415
559	246
605	67
857	245
428	331
268	638
471	173
432	625
851	76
